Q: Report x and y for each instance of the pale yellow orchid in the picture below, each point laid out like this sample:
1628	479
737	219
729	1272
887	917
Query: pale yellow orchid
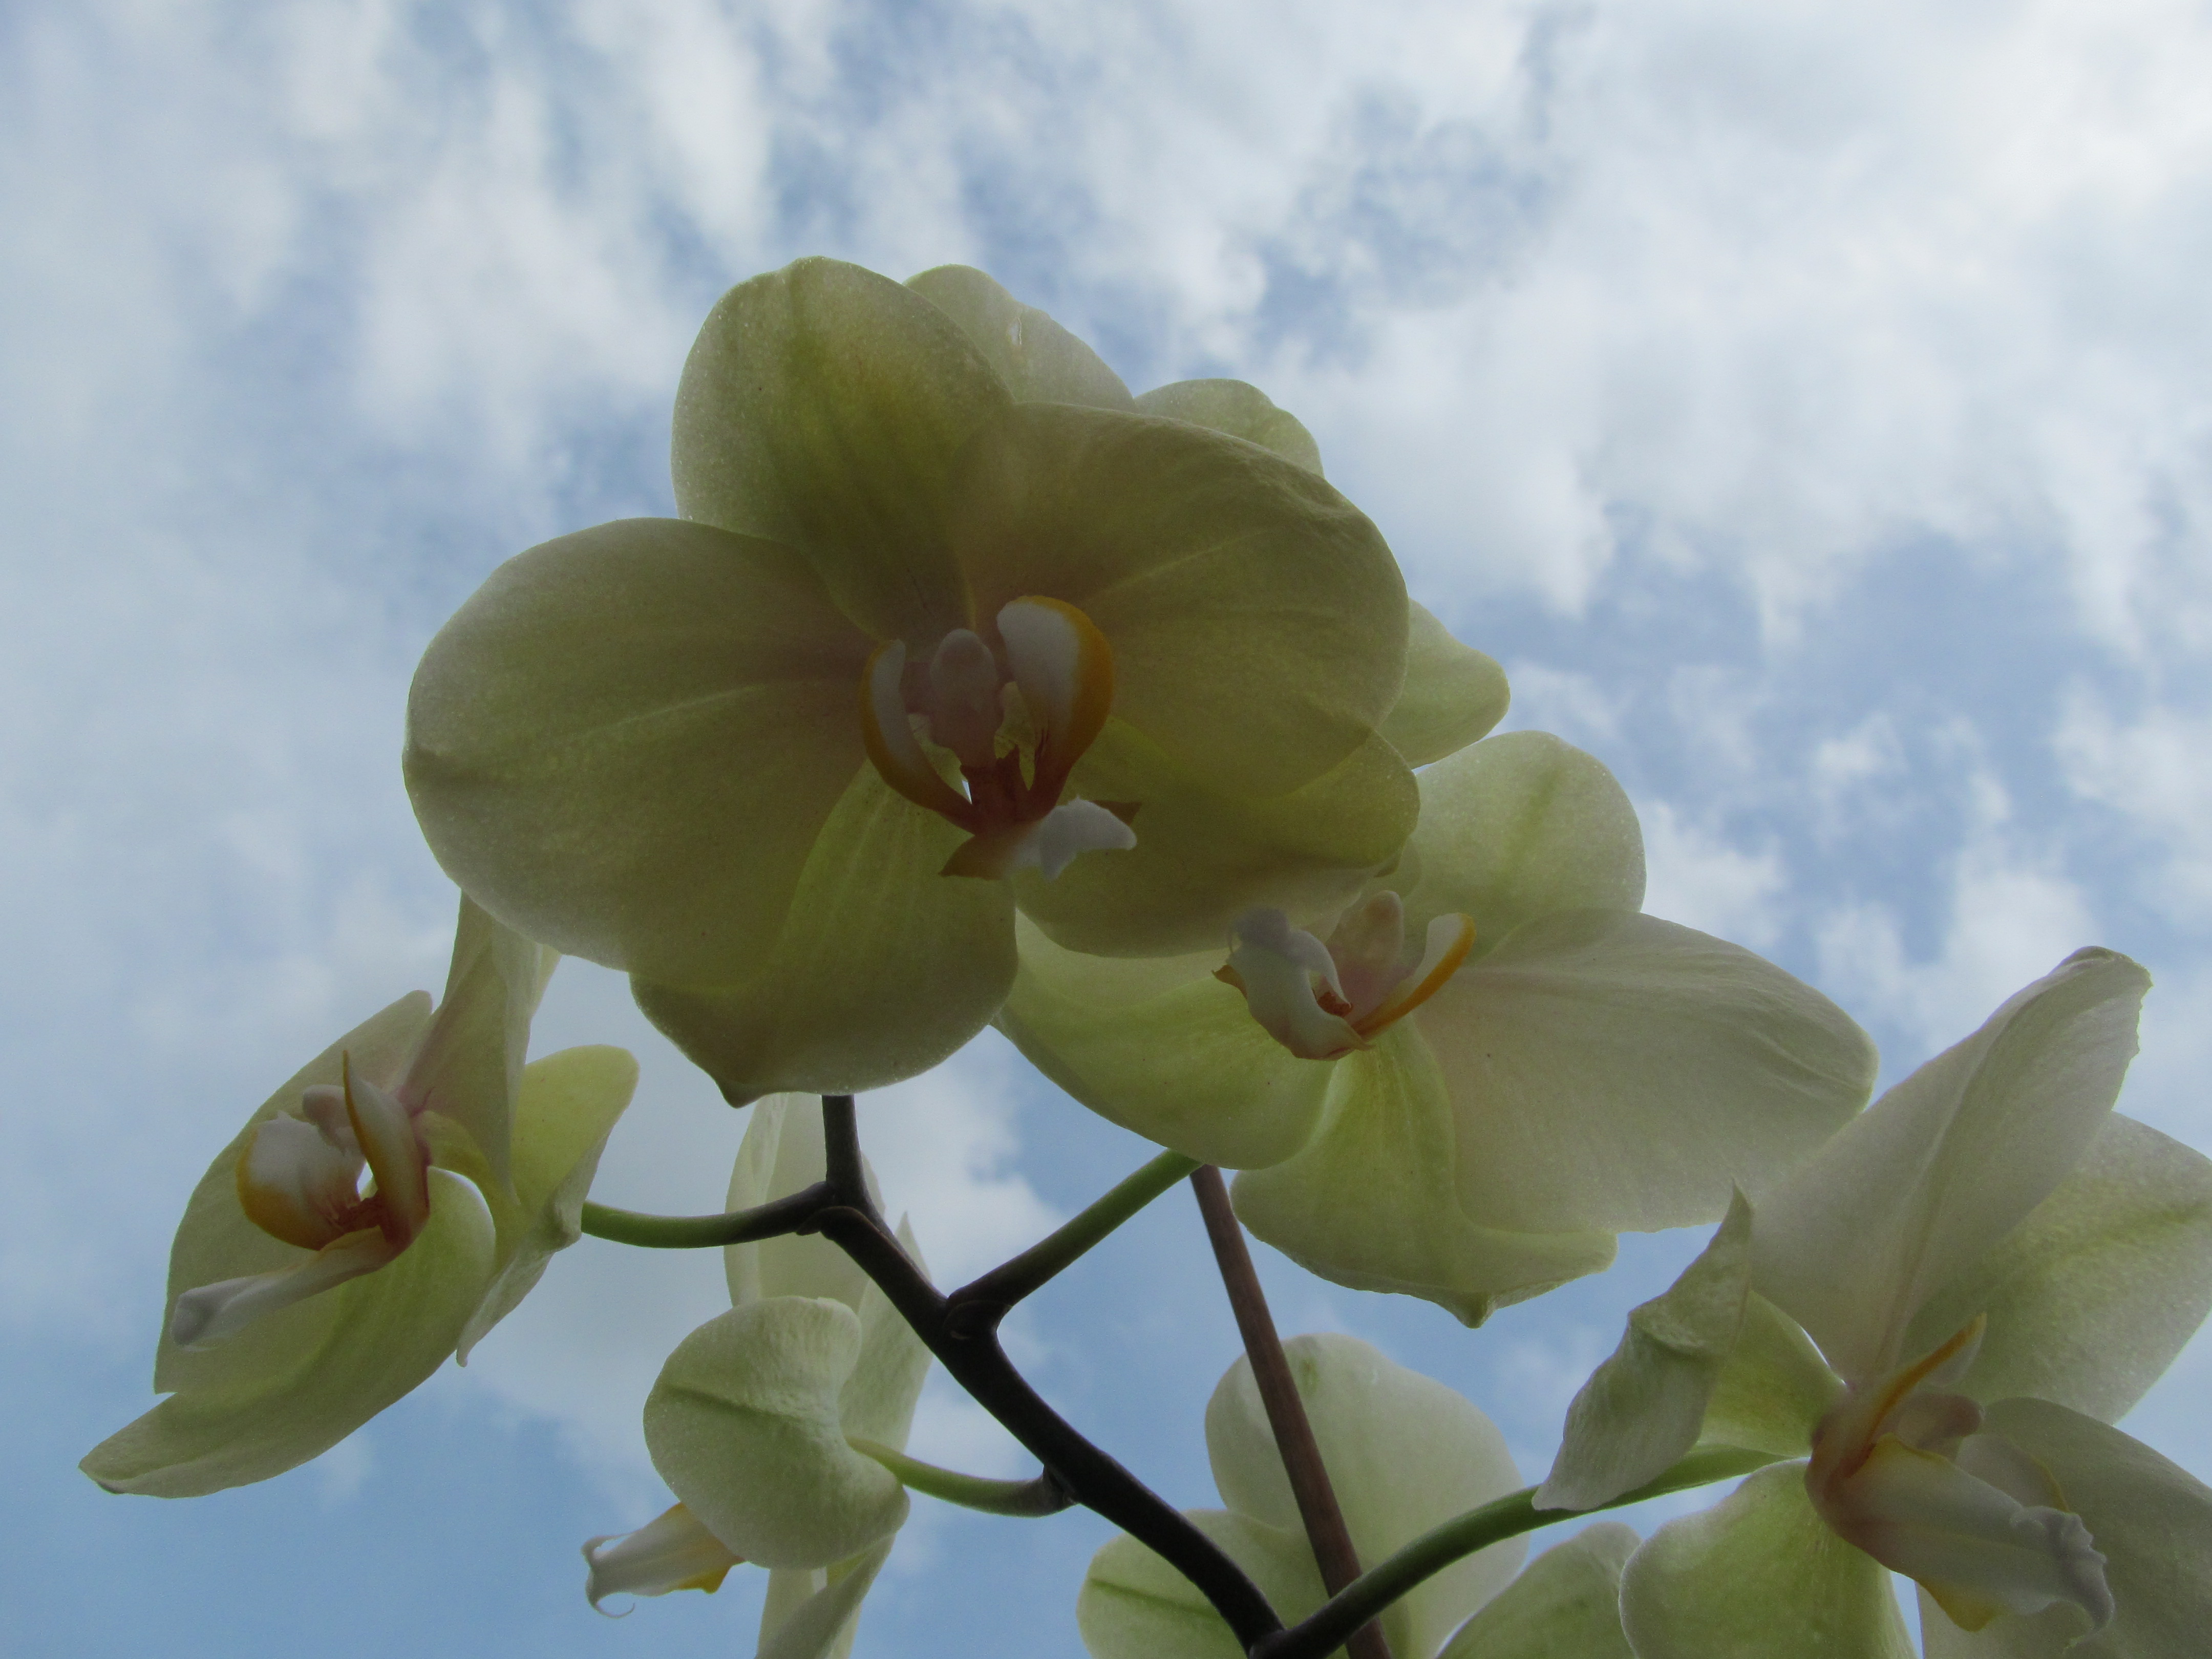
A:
299	1305
951	624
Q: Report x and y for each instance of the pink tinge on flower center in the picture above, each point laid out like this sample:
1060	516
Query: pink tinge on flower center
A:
1322	1001
1902	1469
1015	720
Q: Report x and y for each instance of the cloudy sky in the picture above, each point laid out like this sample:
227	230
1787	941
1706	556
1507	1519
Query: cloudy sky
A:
1808	404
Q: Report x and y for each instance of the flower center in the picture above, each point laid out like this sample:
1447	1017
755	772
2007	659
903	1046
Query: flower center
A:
1323	1000
1013	722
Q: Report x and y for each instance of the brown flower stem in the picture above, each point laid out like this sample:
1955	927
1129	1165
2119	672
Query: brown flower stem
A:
1286	1413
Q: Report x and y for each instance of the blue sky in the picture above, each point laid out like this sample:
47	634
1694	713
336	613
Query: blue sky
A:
1808	406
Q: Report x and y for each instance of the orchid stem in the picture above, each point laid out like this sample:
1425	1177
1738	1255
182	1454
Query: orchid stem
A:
1041	1496
700	1232
1286	1413
1455	1540
1006	1284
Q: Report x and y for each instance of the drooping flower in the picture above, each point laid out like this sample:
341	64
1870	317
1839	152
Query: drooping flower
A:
300	1305
1403	1453
1993	1265
1464	1084
756	1418
950	624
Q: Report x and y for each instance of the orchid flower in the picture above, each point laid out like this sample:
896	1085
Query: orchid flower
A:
1464	1084
757	1417
1403	1453
1993	1265
950	625
300	1305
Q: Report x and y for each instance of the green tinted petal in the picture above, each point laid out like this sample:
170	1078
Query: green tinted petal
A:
823	1625
1133	1605
1910	1196
1404	1453
885	967
878	1400
1773	1390
1612	1071
1205	856
1241	412
742	1425
1371	1203
321	1368
1643	1407
1564	1605
1518	826
215	1241
1159	1046
2151	1521
2091	1298
1758	1575
627	740
1037	360
1257	619
1454	693
565	1109
823	406
781	1153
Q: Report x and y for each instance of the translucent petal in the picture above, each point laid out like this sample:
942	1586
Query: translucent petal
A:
1241	412
823	406
1404	1453
1159	1046
1519	826
1257	619
1908	1197
1773	1390
1564	1605
566	1106
742	1425
1204	856
1370	1200
883	968
1758	1575
1133	1605
1645	1407
672	1552
2091	1298
627	740
2151	1521
315	1371
1454	693
823	1625
1611	1071
1037	360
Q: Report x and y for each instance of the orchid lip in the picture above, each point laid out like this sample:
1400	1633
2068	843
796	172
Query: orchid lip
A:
1322	1001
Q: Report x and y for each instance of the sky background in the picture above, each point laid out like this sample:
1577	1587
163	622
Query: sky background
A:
1807	405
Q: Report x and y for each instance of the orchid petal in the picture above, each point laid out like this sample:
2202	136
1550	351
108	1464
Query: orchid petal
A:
1772	1390
301	1378
1564	1605
783	1152
1453	696
1911	1195
1258	620
1371	1202
823	406
1646	1404
1758	1575
1133	1605
1241	411
882	971
1159	1046
1611	1071
672	1552
2091	1298
627	741
1034	357
823	1625
743	1426
210	1314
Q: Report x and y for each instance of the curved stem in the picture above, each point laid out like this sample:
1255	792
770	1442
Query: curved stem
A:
1041	1496
1463	1534
1006	1284
700	1232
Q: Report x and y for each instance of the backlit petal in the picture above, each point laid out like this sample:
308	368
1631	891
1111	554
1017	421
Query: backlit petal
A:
672	1552
1453	696
1564	1605
1241	412
1036	359
1133	1605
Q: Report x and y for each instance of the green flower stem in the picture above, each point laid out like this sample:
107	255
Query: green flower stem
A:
1041	1496
1455	1540
701	1232
1006	1284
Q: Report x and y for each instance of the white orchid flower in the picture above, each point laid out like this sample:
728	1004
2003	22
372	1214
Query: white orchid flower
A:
300	1305
1993	1265
1465	1084
754	1419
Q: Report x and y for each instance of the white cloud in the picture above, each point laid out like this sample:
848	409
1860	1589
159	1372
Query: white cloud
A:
1696	877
